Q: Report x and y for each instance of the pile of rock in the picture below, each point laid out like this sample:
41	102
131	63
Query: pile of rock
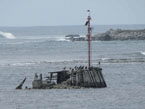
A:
120	35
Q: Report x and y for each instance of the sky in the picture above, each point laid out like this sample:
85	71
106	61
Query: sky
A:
71	12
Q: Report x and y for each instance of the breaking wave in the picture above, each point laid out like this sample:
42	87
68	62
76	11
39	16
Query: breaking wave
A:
7	35
143	53
125	60
62	39
80	62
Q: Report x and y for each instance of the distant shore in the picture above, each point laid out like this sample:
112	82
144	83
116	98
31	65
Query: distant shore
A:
120	34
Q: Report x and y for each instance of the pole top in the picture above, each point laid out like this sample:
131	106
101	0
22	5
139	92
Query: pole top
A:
88	13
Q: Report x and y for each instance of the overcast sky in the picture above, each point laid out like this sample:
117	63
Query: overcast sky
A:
70	12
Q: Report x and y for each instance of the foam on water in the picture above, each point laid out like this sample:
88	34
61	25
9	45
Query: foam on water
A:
62	39
7	35
143	53
73	62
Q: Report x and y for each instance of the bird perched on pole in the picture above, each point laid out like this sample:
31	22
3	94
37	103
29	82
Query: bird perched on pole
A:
87	20
86	23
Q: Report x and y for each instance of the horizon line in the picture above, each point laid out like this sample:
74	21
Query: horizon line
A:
68	25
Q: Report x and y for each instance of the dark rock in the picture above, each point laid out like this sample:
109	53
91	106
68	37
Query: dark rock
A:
120	35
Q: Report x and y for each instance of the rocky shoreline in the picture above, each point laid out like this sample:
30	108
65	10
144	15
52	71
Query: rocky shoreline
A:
120	34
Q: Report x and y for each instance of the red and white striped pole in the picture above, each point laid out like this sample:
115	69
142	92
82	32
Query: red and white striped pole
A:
89	40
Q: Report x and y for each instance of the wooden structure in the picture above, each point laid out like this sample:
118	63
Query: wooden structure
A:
59	76
21	84
91	77
78	76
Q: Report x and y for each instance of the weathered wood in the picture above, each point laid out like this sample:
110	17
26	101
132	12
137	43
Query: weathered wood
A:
95	79
77	77
90	82
41	77
101	81
81	81
88	79
105	85
21	84
61	76
85	78
51	74
73	77
99	73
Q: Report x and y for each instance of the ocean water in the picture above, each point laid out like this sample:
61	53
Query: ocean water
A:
22	53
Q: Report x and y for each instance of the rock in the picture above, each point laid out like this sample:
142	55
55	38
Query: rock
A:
120	35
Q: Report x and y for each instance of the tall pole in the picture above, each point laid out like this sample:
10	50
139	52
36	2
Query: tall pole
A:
89	40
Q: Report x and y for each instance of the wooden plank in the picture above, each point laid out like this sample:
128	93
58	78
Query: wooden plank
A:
95	79
77	78
99	77
91	79
105	85
21	84
81	77
86	78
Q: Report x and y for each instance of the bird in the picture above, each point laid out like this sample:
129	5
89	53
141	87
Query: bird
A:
64	68
86	23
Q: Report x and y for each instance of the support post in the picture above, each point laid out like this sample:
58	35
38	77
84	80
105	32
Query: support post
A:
89	39
21	84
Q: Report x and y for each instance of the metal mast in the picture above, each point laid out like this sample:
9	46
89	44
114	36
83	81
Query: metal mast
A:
89	39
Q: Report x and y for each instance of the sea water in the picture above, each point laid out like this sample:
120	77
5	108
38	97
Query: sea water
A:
123	64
